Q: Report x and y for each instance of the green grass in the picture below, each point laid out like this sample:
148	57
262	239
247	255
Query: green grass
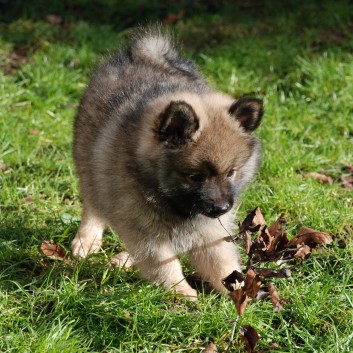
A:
298	57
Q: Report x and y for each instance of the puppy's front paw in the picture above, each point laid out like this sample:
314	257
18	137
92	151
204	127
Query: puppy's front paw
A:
81	247
123	259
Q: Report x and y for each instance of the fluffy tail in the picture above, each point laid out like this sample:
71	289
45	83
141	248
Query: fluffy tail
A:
154	45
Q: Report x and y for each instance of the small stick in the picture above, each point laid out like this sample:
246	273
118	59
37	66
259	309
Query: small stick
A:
233	334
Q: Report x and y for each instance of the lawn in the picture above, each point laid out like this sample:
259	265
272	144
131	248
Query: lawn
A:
297	56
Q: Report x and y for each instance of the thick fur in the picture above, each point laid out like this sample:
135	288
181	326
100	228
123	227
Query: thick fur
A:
161	156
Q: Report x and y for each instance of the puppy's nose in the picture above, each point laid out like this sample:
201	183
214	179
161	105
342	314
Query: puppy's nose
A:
217	210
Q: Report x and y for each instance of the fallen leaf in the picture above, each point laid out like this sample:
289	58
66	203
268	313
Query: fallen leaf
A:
234	281
319	176
347	181
33	132
174	17
303	252
54	19
247	241
252	283
53	250
211	348
278	232
269	348
28	199
240	299
268	273
3	167
250	337
275	298
253	221
310	237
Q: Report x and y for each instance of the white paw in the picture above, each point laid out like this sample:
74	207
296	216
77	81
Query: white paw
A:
81	247
187	292
123	259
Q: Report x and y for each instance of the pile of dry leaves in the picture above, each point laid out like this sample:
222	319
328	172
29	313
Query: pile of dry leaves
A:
265	244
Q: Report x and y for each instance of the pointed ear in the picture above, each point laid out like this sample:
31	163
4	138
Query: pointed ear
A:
248	112
178	123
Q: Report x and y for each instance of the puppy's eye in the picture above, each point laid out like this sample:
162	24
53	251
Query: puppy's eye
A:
197	177
231	173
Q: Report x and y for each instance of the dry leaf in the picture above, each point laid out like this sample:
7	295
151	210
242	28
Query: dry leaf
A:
268	273
54	19
174	17
211	348
252	283
33	132
250	337
253	221
247	241
28	199
234	281
269	348
53	250
275	298
303	252
347	181
319	176
310	237
240	299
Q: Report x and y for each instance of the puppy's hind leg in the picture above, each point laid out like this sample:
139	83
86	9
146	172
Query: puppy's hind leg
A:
88	238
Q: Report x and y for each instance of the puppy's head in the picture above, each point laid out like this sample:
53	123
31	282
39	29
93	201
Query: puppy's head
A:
206	152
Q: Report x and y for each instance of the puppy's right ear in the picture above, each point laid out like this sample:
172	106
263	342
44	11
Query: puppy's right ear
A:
178	123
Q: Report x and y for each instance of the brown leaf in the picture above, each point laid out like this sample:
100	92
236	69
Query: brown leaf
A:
234	281
275	298
54	19
253	221
53	250
4	167
348	168
310	237
174	17
250	337
319	176
303	252
247	241
28	199
269	348
278	232
33	132
211	348
252	283
347	181
268	273
240	299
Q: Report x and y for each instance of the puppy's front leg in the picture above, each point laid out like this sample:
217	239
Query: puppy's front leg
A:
89	235
163	267
215	260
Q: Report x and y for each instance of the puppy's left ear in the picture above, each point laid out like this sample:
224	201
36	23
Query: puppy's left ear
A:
248	112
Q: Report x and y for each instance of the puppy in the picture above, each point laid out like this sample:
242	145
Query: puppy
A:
162	158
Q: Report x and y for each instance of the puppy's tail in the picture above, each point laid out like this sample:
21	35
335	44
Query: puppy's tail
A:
154	45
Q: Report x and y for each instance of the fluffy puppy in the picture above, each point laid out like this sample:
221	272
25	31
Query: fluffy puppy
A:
162	158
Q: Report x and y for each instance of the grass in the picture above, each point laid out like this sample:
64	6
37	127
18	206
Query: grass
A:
298	57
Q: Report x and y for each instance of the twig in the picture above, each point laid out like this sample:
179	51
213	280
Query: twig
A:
233	334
